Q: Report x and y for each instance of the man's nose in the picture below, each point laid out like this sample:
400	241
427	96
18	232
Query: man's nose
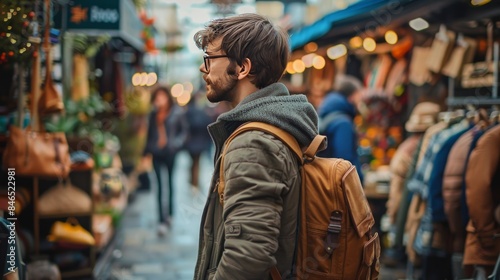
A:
202	68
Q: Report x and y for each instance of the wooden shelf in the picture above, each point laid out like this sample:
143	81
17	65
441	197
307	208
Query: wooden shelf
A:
81	181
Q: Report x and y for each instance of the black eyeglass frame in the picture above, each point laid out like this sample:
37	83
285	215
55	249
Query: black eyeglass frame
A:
206	60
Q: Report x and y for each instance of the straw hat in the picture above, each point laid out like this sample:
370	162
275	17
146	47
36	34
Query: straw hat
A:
423	116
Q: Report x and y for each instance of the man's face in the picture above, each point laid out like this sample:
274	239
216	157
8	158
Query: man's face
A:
221	77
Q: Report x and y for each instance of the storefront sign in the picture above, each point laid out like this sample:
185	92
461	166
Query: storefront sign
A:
94	14
117	18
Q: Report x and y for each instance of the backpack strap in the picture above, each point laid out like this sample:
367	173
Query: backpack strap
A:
249	126
318	144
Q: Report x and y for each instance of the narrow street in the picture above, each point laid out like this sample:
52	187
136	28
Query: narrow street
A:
139	253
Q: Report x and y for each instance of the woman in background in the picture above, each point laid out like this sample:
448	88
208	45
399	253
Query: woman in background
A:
167	131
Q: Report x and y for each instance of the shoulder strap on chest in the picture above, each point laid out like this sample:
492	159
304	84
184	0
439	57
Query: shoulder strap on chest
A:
316	145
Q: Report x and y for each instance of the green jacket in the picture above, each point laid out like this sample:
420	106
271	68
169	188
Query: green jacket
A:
256	228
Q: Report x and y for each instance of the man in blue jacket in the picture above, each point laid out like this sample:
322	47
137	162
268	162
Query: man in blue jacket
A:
336	114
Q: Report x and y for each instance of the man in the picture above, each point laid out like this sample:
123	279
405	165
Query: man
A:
336	113
255	228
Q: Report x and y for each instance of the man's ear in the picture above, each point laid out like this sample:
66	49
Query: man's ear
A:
245	68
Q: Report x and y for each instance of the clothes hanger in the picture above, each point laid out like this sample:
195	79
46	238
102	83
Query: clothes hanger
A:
445	116
495	114
471	113
482	119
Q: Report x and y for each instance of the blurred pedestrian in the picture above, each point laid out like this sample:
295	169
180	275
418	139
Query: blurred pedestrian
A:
337	112
251	232
198	140
167	131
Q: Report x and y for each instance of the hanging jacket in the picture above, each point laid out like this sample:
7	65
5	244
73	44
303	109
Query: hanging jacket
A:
452	189
429	133
420	180
483	196
400	164
404	205
255	229
433	235
435	183
341	133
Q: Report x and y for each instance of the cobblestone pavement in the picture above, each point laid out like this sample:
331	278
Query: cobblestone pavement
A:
138	253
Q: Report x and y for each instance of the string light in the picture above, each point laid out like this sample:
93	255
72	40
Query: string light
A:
369	44
336	51
289	68
356	42
319	62
308	59
311	47
391	37
177	90
299	66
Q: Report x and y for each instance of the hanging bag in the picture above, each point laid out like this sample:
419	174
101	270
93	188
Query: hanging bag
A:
480	74
51	101
441	48
32	151
462	54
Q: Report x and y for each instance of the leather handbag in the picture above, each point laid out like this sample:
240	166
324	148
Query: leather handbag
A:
70	231
51	100
64	198
37	153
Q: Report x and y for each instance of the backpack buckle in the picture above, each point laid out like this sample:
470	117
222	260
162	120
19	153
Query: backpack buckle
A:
333	232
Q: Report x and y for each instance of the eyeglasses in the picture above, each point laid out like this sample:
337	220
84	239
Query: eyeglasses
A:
206	60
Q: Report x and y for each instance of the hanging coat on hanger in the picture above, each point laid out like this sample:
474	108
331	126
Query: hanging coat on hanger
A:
483	196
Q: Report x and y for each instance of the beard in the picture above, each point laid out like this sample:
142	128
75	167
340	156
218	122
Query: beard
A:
222	89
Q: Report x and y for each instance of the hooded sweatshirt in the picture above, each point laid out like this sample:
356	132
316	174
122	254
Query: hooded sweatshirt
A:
255	227
341	133
273	105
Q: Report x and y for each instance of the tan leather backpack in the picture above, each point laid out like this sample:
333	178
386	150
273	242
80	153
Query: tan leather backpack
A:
335	239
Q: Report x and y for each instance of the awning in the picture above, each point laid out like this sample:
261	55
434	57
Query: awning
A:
363	16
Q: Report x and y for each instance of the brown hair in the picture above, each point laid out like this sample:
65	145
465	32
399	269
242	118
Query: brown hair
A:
165	89
250	36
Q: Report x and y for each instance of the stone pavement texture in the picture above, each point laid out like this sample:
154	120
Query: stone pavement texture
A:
140	254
